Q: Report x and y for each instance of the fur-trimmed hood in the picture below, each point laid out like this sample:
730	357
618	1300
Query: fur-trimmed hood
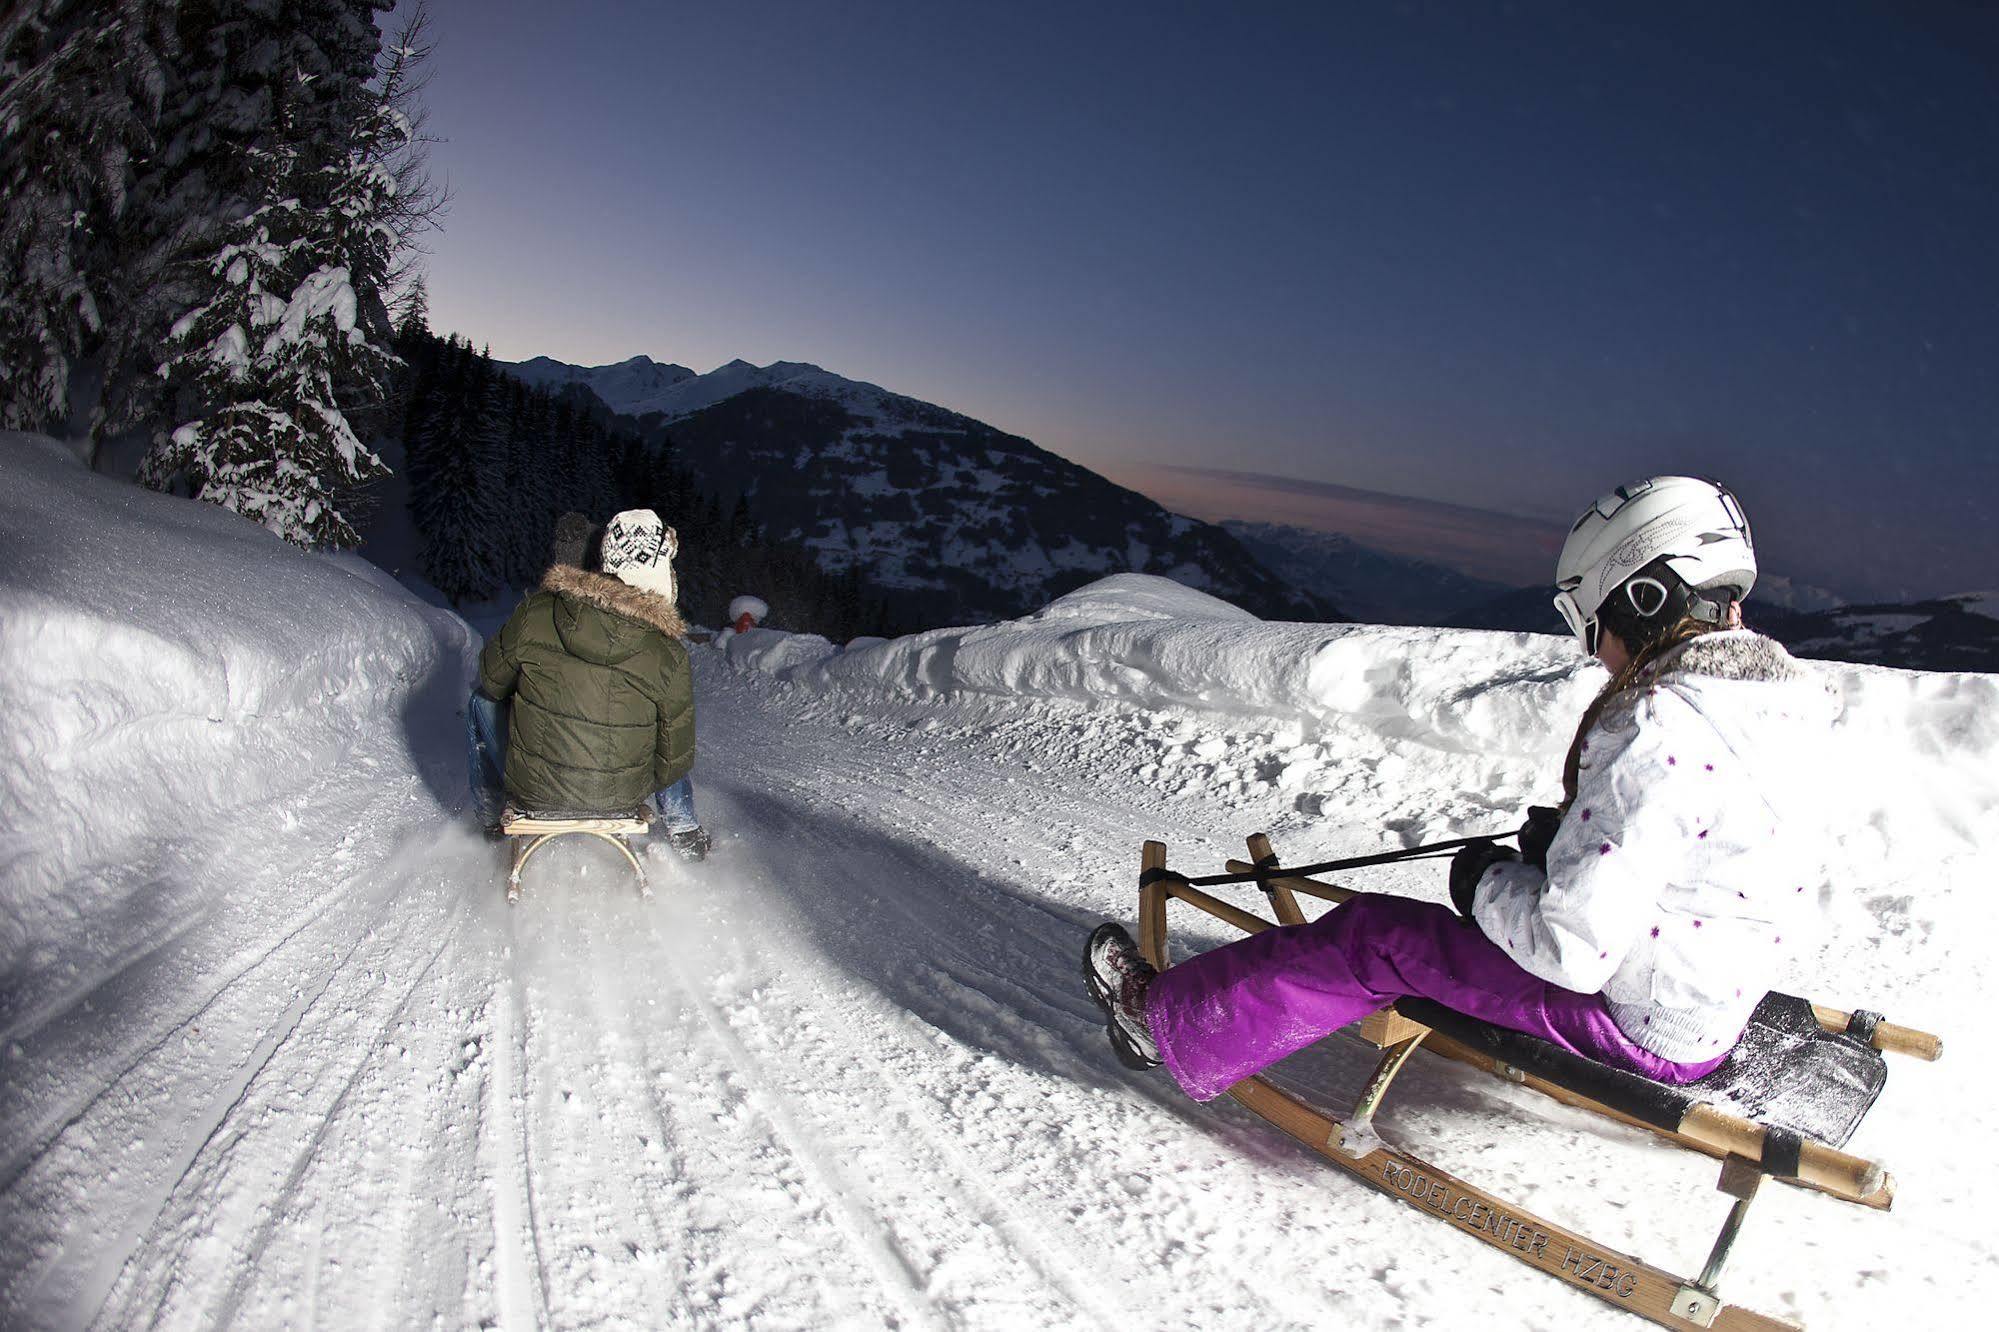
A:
1728	661
1733	654
614	597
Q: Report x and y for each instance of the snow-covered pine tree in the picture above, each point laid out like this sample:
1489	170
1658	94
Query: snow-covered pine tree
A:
413	312
294	335
81	89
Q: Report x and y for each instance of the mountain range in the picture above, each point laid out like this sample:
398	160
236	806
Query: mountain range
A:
958	521
961	521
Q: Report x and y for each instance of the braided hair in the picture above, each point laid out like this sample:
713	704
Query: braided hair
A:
1646	662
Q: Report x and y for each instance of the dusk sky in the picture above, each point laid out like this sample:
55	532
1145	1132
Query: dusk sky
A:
1502	257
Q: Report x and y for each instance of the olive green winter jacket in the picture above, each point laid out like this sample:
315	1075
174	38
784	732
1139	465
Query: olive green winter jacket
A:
602	698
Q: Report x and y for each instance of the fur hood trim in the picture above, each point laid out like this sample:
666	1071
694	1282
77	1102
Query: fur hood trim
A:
617	597
1738	654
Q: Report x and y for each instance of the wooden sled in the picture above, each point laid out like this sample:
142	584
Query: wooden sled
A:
528	831
1793	1130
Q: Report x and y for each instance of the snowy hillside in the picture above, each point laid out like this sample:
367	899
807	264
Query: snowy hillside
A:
1948	633
948	517
276	1053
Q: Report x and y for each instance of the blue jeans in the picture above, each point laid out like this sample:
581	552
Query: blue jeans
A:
676	805
486	755
486	767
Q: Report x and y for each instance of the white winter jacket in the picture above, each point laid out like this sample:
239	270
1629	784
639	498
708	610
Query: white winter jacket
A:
1690	862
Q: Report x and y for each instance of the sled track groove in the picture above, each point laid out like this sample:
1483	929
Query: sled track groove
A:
227	1308
37	1139
132	1235
956	931
509	1082
987	1207
864	1229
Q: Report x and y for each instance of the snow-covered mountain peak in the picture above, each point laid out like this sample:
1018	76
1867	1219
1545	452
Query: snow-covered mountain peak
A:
634	378
642	387
1977	603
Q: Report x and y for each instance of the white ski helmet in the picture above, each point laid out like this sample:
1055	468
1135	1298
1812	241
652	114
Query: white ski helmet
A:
1692	528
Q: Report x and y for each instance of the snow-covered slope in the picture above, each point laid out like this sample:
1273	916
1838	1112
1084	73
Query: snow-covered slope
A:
273	1052
1791	595
948	517
165	662
1949	633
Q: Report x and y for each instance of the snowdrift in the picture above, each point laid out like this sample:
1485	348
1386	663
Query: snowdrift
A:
165	663
1915	795
1141	641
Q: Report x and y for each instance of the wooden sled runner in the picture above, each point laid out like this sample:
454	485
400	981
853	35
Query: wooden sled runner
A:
1783	1105
529	831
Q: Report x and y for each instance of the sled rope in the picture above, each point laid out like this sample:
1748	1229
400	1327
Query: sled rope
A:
1430	851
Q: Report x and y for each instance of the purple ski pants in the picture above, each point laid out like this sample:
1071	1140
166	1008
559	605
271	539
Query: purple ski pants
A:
1227	1013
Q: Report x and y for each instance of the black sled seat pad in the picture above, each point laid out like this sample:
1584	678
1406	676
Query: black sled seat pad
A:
1786	1072
642	813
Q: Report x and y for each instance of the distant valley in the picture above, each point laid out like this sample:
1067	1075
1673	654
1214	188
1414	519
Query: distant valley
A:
959	521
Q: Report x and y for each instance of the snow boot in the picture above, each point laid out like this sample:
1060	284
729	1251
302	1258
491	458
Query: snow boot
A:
691	843
1118	974
489	821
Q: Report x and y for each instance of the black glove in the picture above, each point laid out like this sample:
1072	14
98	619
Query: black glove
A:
1538	834
1469	866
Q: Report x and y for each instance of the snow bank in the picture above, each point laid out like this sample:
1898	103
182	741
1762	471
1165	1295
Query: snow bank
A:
1489	714
1141	641
166	663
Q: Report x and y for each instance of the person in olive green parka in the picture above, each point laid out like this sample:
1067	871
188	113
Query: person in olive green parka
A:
593	670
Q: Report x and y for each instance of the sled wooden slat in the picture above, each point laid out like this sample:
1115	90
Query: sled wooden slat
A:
1246	921
1281	900
1705	1129
1889	1038
528	825
1385	1027
1613	1277
1616	1278
1709	1131
528	832
1152	905
1325	892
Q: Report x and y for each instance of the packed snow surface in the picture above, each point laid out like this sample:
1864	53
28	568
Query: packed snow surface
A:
277	1054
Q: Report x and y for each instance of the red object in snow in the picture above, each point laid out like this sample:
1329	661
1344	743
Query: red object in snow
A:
745	622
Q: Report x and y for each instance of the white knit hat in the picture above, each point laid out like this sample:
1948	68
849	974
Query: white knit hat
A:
639	550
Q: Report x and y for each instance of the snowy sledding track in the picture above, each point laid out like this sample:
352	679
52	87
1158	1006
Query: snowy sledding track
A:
842	1075
772	1136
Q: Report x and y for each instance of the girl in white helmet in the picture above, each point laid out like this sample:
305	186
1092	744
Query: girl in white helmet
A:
1642	921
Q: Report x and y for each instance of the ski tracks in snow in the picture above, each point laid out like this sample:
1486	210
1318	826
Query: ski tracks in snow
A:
841	1075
